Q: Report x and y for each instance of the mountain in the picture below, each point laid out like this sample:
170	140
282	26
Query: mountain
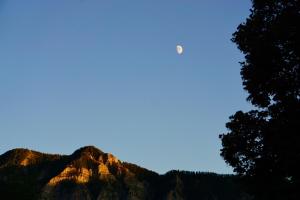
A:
89	174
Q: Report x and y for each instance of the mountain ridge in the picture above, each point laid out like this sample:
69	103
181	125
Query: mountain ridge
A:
89	173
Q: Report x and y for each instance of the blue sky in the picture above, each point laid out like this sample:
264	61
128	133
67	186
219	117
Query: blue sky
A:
106	73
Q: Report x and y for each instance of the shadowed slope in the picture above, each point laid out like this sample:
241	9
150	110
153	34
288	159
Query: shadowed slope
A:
89	173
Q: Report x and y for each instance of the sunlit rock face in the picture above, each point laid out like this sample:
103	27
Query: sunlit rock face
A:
81	175
29	158
90	174
90	164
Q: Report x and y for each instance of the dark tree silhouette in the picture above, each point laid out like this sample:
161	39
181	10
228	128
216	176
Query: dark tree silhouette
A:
263	145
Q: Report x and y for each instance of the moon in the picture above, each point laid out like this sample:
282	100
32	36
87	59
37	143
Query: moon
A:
179	49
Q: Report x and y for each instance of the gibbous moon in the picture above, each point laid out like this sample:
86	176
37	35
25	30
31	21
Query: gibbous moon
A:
179	49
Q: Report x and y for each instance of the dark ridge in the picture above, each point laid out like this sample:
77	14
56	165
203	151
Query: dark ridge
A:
142	173
87	151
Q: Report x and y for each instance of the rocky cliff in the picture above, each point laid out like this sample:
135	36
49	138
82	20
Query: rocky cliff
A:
89	174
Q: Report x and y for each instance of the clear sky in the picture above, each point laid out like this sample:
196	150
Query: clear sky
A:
106	73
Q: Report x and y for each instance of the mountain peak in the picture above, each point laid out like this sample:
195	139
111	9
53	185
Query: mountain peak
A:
92	154
18	156
25	157
91	150
89	173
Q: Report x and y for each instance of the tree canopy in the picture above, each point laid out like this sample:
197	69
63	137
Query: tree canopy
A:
263	145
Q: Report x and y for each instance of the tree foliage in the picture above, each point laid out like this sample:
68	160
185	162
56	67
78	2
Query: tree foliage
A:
263	145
